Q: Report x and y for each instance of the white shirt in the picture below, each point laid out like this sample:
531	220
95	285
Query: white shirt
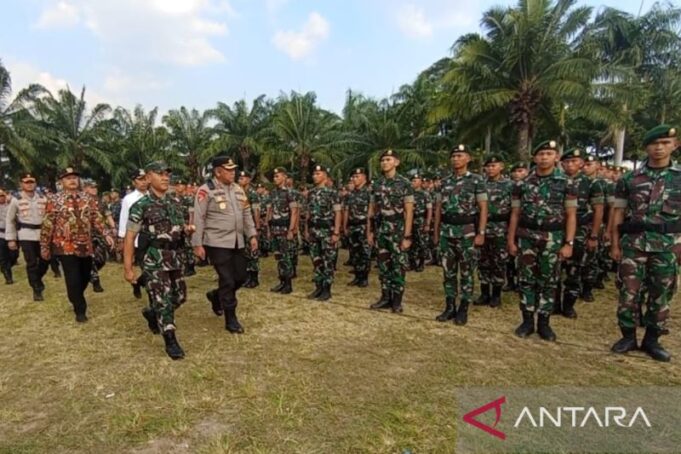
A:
127	203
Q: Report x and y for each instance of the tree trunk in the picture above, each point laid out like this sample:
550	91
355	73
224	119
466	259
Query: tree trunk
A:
524	142
304	167
488	141
619	145
245	157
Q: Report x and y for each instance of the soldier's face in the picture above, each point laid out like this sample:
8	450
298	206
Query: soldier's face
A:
494	169
114	197
590	168
180	189
389	163
662	148
279	179
70	182
460	160
519	174
416	183
244	181
359	179
141	184
159	181
91	190
572	165
319	177
28	185
545	159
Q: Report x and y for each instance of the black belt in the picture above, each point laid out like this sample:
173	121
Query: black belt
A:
640	227
499	217
167	245
459	220
23	225
392	217
585	219
280	222
548	227
321	224
357	222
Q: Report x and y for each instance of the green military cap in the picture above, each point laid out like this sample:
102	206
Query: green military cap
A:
224	161
590	158
181	181
280	170
426	179
460	148
659	132
390	152
319	168
157	166
494	159
65	172
545	145
519	165
359	171
243	173
572	153
27	177
137	173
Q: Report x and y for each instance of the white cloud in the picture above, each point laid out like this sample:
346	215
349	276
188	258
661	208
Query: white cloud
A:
299	44
413	22
118	82
273	6
61	14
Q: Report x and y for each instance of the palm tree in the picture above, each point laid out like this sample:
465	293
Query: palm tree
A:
191	140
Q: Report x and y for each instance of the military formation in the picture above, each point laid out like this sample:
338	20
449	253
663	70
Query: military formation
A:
551	231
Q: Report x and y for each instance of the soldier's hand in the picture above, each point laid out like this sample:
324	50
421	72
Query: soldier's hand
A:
109	241
189	229
425	229
615	253
370	239
479	240
591	245
200	252
606	237
405	244
334	238
512	249
254	244
289	235
129	276
12	245
565	252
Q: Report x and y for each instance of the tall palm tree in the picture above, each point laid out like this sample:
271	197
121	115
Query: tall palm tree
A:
191	140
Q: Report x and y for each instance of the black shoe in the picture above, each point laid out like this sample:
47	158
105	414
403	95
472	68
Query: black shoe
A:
586	295
137	290
484	298
450	310
363	280
317	291
8	277
526	328
287	288
627	343
212	296
461	317
9	281
81	318
396	303
420	266
606	278
495	300
150	315
254	280
277	288
97	286
384	302
652	347
189	271
173	348
599	285
38	295
544	328
231	321
325	294
569	306
57	274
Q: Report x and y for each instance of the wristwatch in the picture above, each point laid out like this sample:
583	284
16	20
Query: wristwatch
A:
570	242
481	232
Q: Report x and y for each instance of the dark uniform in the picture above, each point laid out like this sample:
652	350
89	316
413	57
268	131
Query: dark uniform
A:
357	206
8	257
281	206
253	257
422	205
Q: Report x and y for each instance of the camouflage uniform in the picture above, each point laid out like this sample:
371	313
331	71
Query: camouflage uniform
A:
494	254
418	251
357	204
605	263
323	204
186	203
252	263
263	241
281	202
295	244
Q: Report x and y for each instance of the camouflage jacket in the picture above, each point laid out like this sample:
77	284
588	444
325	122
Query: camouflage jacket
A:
589	193
70	222
160	219
422	202
498	206
542	201
263	201
115	209
357	204
651	196
282	201
458	197
323	204
389	195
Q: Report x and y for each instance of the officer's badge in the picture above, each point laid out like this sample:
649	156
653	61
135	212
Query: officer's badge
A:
672	132
462	147
223	205
552	144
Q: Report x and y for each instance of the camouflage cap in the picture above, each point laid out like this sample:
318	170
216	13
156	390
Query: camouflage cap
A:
225	162
545	145
390	152
65	172
494	159
659	132
460	148
572	153
157	166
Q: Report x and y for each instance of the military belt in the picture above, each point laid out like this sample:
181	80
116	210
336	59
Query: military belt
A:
498	217
321	224
166	245
640	227
24	225
280	222
585	219
459	220
548	227
392	217
357	222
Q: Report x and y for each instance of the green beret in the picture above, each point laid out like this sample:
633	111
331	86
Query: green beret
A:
390	152
590	158
546	145
243	173
319	168
279	170
359	171
416	176
494	159
157	166
658	132
572	153
460	148
519	165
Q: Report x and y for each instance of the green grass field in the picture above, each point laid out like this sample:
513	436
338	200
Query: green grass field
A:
306	377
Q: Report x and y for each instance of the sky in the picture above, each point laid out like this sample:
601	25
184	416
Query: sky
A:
194	53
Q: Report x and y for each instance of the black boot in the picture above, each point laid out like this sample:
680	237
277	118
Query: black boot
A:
384	302
627	343
231	321
526	328
8	276
173	348
544	328
81	317
190	271
325	294
277	288
363	280
461	317
212	296
355	281
247	283
510	280
558	302
254	279
150	315
450	310
599	283
587	296
652	347
97	286
137	290
38	295
484	299
420	265
495	301
396	302
287	288
317	291
569	306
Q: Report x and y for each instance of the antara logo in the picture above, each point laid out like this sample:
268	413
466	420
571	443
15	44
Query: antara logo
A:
496	405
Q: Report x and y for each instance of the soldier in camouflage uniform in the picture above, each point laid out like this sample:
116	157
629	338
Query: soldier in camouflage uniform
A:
263	242
543	222
159	220
605	263
355	227
100	249
460	223
322	231
253	262
186	201
392	198
493	255
646	241
304	216
518	173
580	268
282	215
423	212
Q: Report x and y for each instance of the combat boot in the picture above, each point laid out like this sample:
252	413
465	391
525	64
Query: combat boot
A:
247	282
384	302
484	298
190	271
277	288
526	328
254	279
287	288
510	281
81	317
450	310
150	315
652	347
8	276
214	299
544	328
363	280
231	321
173	348
558	302
38	295
97	286
495	301
325	294
317	291
420	265
137	290
569	306
627	343
396	302
587	296
461	317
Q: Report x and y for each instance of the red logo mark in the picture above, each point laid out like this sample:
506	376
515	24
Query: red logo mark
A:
470	417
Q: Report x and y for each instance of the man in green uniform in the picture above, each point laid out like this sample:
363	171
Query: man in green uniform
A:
542	232
423	212
322	231
460	228
282	215
186	201
300	219
392	198
253	263
646	241
355	226
263	242
158	219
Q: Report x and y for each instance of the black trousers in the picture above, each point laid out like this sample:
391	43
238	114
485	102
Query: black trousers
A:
36	267
230	264
77	277
8	258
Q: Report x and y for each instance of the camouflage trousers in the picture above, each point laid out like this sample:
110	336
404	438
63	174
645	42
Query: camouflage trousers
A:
360	251
252	258
419	247
493	258
294	252
392	261
283	254
458	255
605	263
167	291
323	254
654	272
582	268
263	242
189	260
538	273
